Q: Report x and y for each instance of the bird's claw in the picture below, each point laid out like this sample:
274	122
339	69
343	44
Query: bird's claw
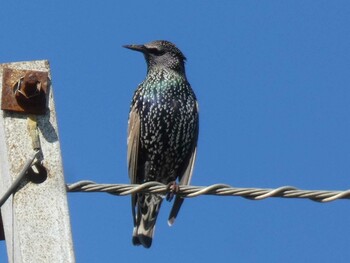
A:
173	188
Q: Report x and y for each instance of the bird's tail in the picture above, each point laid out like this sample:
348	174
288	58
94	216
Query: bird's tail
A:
148	206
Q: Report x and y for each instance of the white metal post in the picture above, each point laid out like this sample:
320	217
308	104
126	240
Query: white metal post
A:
36	218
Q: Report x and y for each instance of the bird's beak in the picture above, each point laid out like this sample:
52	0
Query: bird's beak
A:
140	48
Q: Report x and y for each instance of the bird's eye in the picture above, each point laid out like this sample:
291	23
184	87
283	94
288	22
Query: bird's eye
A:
156	51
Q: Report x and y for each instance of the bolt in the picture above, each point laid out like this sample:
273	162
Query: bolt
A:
30	86
29	93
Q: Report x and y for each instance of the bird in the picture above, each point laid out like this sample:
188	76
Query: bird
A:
162	138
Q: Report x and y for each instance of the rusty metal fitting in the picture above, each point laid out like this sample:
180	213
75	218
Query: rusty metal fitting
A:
25	91
28	86
28	92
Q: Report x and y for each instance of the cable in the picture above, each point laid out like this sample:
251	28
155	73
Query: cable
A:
187	191
19	178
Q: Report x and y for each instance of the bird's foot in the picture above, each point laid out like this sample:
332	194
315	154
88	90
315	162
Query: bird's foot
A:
173	189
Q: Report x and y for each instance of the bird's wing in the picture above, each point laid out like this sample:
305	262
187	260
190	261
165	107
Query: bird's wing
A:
186	177
133	143
133	149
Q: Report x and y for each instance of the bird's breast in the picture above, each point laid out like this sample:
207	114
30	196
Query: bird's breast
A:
168	116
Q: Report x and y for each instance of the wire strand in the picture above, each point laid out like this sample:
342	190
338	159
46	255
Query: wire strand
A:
19	178
188	191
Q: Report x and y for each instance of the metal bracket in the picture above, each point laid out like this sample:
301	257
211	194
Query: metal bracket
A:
25	91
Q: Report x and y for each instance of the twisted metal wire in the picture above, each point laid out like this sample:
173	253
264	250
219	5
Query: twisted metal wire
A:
188	191
20	177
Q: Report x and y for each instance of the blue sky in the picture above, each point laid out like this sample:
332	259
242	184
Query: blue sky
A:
272	79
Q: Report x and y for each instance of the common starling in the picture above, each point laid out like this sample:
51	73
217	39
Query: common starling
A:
162	133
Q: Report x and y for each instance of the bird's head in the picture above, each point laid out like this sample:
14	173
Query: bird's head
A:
161	54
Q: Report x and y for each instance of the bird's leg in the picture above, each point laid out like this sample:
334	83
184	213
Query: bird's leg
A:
173	188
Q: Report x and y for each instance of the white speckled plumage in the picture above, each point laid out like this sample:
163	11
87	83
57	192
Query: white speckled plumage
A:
162	133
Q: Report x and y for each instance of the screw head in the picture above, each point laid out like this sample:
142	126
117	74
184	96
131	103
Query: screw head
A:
28	91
